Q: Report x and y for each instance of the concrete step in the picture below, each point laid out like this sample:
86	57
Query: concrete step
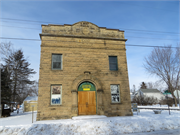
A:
85	117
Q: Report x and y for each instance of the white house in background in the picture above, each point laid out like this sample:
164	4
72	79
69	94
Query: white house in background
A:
131	95
151	92
177	93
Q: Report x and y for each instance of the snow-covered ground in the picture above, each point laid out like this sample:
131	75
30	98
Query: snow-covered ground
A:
146	122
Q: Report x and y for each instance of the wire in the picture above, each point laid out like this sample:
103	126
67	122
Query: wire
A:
21	23
20	39
57	30
20	27
126	36
148	7
24	20
62	24
81	42
152	31
152	38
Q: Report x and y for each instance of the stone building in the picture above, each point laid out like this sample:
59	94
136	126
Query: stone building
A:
83	71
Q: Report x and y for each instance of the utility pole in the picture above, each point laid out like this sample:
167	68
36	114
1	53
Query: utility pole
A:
178	96
0	94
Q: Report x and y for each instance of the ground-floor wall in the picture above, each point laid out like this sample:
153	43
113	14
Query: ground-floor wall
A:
69	106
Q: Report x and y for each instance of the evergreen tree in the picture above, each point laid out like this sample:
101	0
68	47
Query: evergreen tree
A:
143	85
5	86
18	68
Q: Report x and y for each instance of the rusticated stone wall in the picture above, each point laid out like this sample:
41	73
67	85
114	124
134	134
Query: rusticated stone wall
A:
85	48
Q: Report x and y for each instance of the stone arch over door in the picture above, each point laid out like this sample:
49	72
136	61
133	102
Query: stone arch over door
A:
87	76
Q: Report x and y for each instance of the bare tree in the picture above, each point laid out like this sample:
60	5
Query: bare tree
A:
156	85
6	49
133	89
164	64
24	90
33	89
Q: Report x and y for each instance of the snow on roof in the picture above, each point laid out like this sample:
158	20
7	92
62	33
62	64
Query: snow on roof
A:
31	98
150	90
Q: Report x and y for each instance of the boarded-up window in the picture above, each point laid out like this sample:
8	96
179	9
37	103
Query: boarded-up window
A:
113	63
115	94
56	61
56	94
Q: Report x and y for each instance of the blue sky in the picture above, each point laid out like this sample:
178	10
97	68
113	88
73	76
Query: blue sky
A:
130	16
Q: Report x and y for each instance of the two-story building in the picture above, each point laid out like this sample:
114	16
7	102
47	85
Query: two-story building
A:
83	71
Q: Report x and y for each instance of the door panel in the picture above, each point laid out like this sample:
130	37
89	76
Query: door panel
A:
86	103
91	103
82	99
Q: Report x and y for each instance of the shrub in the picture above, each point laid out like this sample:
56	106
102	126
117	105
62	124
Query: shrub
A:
145	100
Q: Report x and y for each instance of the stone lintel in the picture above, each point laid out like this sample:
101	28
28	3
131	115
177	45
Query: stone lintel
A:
73	91
87	72
100	90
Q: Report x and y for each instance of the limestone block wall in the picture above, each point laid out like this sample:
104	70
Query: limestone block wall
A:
84	47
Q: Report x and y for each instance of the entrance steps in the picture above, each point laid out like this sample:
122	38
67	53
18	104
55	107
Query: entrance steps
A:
87	117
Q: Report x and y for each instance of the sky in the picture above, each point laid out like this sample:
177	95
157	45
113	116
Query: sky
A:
154	23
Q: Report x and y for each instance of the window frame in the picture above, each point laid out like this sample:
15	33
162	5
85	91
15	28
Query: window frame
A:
118	93
113	63
54	94
60	61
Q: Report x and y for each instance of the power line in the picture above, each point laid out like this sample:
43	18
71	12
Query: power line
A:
62	24
22	23
141	32
24	20
21	27
152	38
80	42
41	29
57	30
152	31
148	7
20	39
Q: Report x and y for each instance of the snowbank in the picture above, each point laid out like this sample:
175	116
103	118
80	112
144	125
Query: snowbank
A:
146	121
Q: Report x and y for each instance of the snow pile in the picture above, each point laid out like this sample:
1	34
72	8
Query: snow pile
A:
160	106
146	121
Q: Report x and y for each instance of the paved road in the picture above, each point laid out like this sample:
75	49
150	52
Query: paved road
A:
160	132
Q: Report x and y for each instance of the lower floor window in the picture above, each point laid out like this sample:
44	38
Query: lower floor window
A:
56	94
115	94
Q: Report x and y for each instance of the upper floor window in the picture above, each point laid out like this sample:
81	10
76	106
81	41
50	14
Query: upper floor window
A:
113	63
57	61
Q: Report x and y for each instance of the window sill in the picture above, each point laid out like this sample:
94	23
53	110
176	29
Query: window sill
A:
116	103
55	105
56	69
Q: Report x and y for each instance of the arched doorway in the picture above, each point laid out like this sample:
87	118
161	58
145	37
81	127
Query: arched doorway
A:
86	99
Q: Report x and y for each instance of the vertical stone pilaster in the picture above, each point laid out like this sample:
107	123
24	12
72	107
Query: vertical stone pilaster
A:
74	109
100	102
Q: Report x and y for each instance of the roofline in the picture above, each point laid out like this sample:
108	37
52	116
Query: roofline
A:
78	22
107	38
